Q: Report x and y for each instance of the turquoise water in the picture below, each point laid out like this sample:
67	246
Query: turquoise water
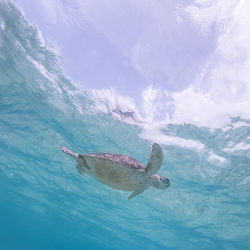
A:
46	204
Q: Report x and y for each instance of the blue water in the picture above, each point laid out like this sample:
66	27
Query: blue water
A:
46	204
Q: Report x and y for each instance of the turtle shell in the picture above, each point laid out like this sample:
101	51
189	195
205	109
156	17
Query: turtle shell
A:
122	159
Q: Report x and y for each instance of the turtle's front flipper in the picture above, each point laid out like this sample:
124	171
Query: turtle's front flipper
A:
136	192
81	161
155	159
81	164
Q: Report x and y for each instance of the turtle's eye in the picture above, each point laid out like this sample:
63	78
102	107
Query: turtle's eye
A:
164	180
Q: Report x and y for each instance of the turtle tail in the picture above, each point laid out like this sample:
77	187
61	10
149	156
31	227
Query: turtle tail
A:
68	152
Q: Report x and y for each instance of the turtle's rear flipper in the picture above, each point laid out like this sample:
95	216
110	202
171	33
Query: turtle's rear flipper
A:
80	169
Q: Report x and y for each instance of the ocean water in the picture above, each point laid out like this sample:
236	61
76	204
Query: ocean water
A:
46	204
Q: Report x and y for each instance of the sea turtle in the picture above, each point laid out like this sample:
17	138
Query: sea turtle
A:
122	172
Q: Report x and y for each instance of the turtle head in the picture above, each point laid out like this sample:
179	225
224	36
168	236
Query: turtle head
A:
160	182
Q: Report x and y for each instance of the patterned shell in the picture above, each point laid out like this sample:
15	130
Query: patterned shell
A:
122	159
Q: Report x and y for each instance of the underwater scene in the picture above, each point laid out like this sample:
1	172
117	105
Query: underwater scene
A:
46	204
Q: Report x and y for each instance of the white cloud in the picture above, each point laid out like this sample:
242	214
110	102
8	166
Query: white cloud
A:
58	11
223	91
206	13
196	108
202	109
157	104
